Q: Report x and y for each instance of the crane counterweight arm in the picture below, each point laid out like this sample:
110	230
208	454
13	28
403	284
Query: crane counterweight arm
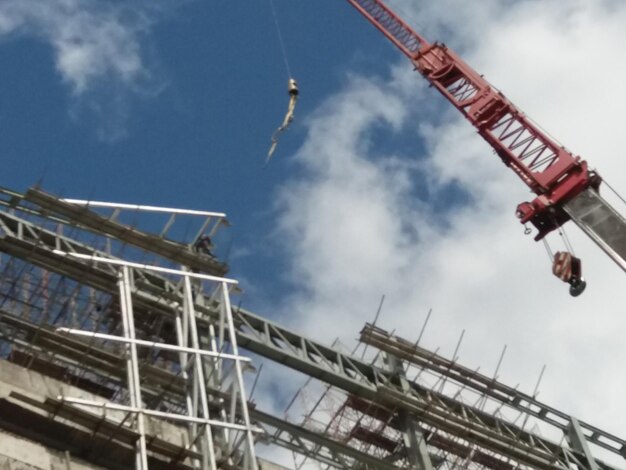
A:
550	171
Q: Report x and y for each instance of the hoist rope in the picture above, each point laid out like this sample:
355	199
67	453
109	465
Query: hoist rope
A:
280	39
549	251
565	238
614	191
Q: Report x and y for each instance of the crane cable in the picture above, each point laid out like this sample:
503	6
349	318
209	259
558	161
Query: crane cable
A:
566	241
292	89
280	39
548	249
614	191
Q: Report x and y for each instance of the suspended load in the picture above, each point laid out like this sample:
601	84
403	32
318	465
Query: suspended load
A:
292	88
568	269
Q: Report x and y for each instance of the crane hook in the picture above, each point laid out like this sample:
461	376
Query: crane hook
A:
568	268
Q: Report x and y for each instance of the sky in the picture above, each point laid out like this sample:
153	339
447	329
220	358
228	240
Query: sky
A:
378	188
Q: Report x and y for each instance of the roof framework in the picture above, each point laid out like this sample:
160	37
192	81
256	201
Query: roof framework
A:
384	414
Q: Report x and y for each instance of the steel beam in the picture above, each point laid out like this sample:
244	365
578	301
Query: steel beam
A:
155	381
414	440
261	336
578	442
84	217
604	225
483	384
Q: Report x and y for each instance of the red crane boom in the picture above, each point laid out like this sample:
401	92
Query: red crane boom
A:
565	187
548	169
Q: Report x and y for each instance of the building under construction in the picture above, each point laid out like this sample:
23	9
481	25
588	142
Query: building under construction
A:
122	345
121	348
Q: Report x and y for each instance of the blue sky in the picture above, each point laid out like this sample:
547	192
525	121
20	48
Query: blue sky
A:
377	188
211	91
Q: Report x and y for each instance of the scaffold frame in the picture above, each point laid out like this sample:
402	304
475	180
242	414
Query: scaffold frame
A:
78	288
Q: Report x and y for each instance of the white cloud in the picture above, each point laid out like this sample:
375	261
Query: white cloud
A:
355	230
91	39
97	48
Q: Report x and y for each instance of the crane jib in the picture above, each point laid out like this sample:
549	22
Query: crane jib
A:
601	222
553	173
391	25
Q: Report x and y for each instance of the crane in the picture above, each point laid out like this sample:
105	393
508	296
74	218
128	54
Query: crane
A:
564	186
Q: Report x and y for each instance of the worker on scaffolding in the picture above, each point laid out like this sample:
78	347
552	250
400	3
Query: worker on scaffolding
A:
204	245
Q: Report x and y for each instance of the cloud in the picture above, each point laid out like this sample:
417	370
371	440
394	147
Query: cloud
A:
90	39
367	221
97	48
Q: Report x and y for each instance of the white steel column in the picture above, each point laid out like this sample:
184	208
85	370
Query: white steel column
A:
228	437
249	455
212	368
183	358
132	366
198	378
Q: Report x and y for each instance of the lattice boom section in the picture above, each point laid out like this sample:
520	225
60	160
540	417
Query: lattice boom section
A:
538	160
530	149
551	172
392	26
462	90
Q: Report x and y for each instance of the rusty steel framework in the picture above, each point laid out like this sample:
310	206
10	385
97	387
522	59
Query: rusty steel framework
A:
123	303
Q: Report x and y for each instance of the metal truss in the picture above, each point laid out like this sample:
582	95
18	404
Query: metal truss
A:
447	423
237	442
500	393
52	250
171	387
81	212
431	407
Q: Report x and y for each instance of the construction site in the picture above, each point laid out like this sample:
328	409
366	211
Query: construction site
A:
123	343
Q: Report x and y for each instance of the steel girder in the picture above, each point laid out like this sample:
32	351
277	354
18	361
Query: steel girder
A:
482	384
29	241
157	381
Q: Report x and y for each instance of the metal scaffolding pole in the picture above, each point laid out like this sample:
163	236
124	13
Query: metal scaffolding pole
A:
226	310
132	367
414	440
579	442
198	416
199	385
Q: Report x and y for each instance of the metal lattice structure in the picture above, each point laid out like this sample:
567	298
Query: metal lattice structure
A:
135	320
564	185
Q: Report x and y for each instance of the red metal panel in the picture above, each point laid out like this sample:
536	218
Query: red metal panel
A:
553	173
562	266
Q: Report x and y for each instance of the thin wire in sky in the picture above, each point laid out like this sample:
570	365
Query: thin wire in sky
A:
280	39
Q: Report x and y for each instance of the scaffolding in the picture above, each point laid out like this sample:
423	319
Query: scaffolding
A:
209	369
431	412
221	438
132	319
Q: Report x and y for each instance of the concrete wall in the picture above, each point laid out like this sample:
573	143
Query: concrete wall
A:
17	378
17	453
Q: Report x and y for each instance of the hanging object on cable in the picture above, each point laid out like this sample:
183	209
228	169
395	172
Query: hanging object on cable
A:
292	88
568	269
